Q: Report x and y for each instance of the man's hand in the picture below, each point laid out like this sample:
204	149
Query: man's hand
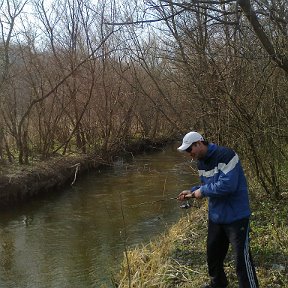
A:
184	195
187	194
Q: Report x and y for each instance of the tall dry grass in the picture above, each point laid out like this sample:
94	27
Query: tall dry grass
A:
178	258
157	264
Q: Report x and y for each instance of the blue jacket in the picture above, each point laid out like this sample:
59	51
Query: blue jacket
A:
223	181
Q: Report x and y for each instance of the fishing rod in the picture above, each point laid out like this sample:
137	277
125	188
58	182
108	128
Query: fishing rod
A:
186	205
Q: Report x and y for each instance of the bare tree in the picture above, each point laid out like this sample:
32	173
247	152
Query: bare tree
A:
223	72
267	19
10	11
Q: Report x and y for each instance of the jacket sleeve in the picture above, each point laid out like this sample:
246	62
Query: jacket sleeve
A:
195	188
223	181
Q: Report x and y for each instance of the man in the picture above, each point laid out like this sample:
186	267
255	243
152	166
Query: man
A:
223	182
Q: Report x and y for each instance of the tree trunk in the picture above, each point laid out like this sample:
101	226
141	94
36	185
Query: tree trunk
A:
279	59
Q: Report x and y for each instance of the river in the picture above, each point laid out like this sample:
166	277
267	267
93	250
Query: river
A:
76	237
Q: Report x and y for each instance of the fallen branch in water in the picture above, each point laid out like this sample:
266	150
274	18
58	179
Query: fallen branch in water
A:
77	165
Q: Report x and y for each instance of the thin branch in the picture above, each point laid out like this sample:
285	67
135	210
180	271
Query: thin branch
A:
145	21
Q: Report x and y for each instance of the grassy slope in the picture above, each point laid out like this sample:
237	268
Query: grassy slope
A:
178	258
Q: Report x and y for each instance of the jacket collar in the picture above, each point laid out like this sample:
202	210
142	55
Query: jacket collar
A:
211	149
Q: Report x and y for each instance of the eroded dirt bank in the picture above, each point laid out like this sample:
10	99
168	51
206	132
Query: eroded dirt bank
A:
20	182
26	181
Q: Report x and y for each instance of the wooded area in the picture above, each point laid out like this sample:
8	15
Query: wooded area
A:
83	76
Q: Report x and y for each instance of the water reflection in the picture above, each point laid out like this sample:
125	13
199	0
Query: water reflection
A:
76	238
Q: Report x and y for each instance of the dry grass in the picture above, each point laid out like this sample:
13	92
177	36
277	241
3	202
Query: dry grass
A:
160	263
178	258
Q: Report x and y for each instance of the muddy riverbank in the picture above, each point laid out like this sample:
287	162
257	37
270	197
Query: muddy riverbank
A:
21	182
18	183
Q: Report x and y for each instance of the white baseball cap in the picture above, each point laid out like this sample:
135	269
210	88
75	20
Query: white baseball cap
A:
189	139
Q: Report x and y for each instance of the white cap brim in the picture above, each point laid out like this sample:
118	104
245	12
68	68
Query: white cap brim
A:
183	147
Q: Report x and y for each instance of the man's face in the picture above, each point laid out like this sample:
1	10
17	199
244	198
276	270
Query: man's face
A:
196	150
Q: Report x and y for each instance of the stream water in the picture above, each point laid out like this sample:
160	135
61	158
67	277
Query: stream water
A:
76	237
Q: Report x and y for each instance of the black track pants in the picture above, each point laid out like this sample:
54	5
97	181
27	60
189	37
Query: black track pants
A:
219	237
